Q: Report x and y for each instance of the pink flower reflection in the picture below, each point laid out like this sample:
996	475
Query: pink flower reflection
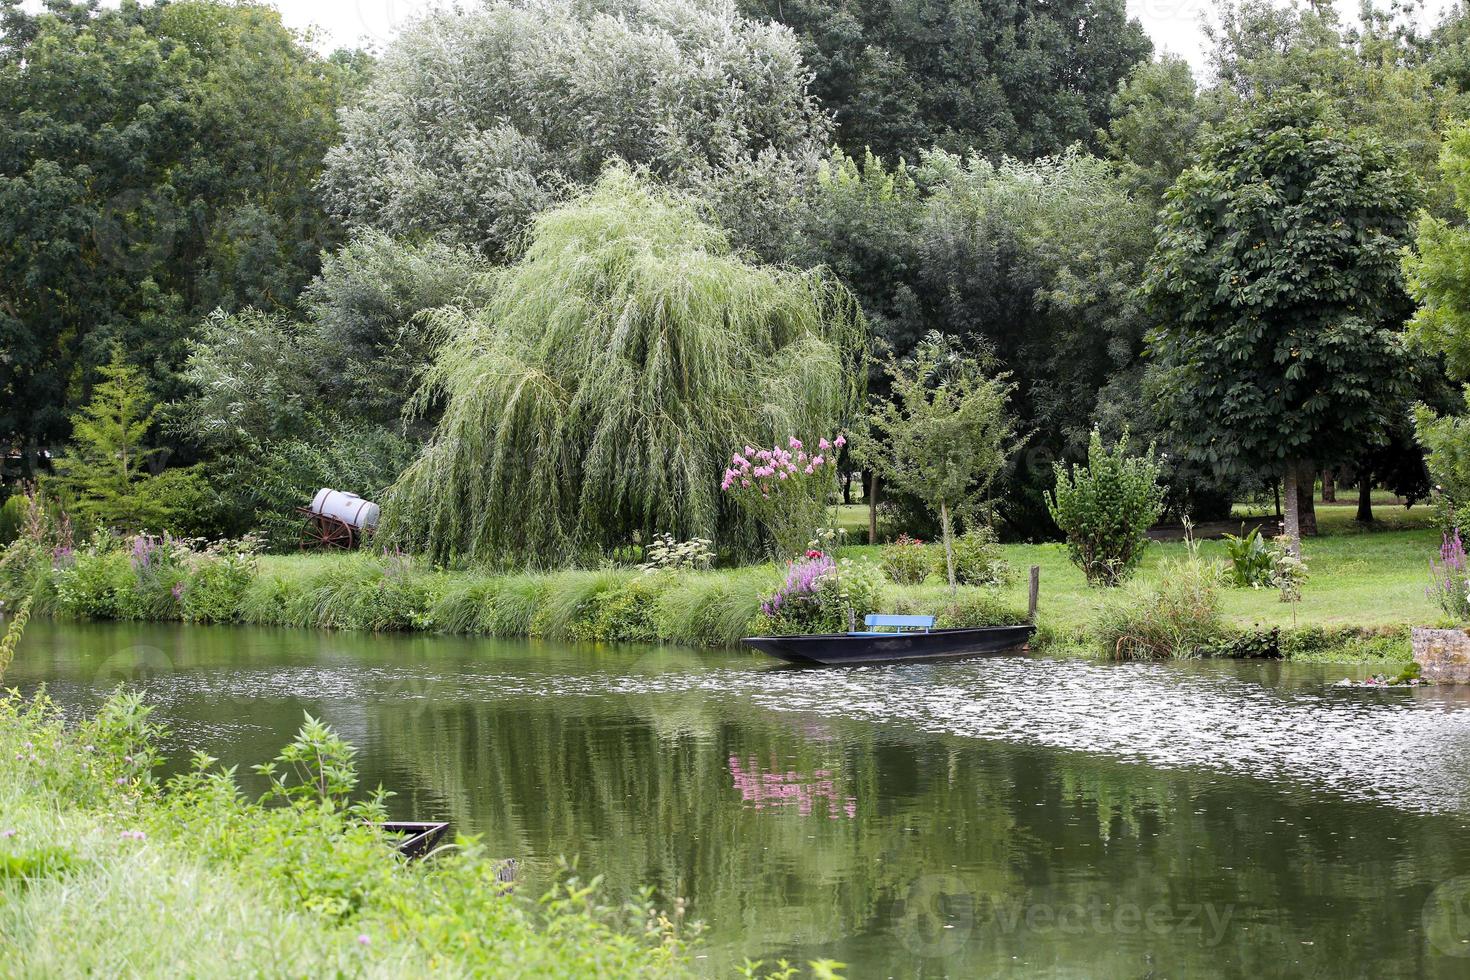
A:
812	793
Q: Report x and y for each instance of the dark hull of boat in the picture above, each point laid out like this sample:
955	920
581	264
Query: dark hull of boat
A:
841	648
414	838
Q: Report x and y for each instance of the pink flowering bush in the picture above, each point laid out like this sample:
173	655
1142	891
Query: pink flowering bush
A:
785	488
821	595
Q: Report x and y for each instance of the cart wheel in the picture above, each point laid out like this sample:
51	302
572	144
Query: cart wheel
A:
322	531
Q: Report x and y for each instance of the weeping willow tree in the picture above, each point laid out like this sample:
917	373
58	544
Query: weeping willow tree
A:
601	390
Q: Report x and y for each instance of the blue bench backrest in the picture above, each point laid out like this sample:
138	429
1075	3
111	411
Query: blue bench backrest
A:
915	622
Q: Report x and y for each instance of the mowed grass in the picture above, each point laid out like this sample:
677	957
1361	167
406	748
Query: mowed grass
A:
1358	577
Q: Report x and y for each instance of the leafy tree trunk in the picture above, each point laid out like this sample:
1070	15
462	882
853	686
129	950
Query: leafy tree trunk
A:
1329	487
1365	499
873	508
947	528
1291	528
1306	486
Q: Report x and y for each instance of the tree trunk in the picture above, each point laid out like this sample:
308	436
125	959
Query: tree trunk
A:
1329	487
1306	487
1276	492
1290	527
1365	499
948	531
873	508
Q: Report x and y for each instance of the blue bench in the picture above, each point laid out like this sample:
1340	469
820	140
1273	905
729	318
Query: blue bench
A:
901	623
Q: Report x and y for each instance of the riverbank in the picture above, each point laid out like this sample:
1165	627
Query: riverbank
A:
103	871
1366	590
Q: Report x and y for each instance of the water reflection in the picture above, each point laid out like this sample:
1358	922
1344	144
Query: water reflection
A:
762	789
1011	817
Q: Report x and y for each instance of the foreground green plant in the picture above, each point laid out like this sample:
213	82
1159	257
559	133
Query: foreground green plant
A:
12	635
101	866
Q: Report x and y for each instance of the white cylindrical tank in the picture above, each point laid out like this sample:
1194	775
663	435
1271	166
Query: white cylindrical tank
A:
346	507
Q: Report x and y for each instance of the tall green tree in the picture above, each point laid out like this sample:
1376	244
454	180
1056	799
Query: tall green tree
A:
1277	290
1438	273
1381	73
1156	120
1036	262
105	476
599	390
477	120
156	161
991	76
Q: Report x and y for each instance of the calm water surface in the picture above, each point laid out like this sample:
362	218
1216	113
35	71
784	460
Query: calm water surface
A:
1013	817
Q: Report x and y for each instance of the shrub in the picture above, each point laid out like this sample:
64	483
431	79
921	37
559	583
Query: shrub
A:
220	577
977	558
97	584
1180	617
1250	560
1106	508
160	572
622	613
666	554
907	560
1450	579
977	607
13	517
1288	570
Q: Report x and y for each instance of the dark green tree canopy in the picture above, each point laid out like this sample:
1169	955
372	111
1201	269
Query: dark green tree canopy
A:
155	162
995	76
1277	290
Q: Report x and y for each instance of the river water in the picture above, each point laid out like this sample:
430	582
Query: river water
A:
1016	817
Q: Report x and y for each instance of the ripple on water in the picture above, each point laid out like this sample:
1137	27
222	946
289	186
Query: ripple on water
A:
1409	750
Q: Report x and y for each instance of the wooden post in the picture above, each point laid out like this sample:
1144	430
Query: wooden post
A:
873	509
1035	595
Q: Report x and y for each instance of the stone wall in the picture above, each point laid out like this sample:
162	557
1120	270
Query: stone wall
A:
1443	655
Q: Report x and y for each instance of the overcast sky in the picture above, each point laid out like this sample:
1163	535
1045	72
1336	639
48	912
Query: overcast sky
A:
1174	25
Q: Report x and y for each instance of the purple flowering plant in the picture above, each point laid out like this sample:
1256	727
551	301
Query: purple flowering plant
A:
821	595
1449	577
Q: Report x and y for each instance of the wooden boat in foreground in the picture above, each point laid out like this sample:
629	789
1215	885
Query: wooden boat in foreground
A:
916	640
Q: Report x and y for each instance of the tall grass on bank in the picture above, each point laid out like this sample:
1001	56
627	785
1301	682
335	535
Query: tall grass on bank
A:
394	592
1179	616
103	871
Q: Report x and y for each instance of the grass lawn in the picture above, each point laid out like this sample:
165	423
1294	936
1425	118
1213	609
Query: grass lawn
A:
1358	577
